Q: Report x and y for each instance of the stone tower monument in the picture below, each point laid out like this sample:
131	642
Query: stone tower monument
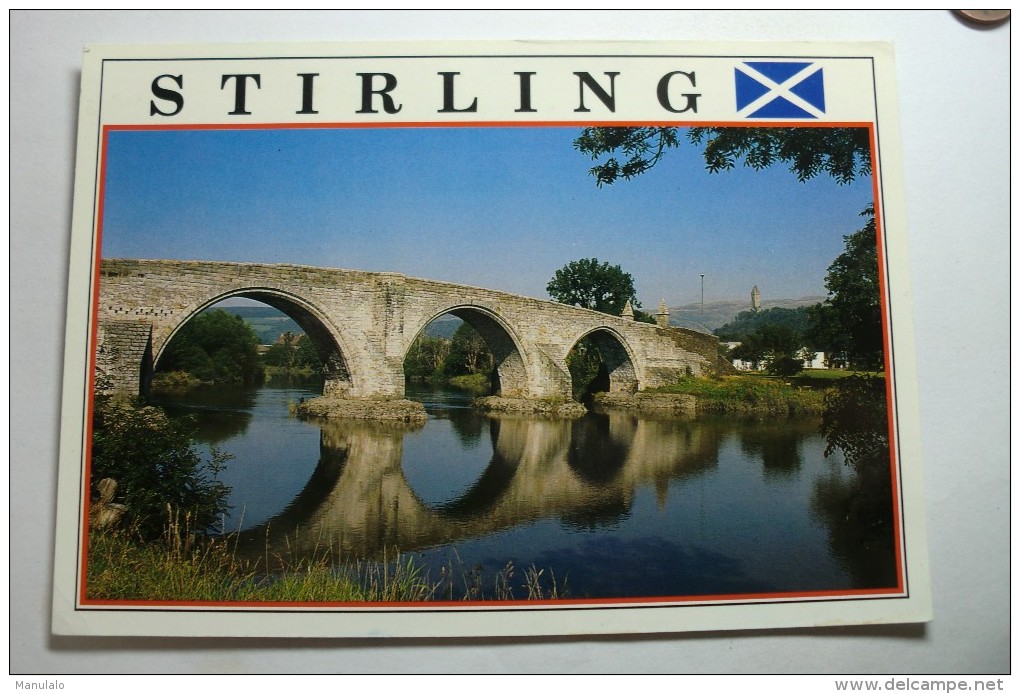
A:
755	299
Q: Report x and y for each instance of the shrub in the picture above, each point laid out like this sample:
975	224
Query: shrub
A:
785	366
157	469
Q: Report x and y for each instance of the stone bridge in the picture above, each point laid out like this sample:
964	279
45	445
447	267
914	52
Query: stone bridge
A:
363	323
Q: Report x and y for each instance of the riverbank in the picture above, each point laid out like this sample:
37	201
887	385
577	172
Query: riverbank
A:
174	382
755	396
121	568
750	395
178	569
477	383
177	382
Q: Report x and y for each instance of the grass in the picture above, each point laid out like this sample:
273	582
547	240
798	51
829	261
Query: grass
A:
179	568
747	394
823	378
477	383
283	372
172	381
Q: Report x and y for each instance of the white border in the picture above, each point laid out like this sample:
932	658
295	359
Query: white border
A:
632	618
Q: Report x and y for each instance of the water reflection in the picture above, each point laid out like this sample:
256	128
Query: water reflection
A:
858	510
776	444
626	505
219	413
585	473
865	549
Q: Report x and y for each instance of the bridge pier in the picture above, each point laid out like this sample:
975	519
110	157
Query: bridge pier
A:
124	361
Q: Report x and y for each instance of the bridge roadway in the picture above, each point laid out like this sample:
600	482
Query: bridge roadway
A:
363	323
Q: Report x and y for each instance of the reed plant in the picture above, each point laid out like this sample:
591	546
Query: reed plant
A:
185	567
471	584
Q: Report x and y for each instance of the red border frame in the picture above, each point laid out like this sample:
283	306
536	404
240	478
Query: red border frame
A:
898	591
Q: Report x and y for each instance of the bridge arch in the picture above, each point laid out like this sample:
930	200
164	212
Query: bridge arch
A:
502	340
617	356
367	319
323	333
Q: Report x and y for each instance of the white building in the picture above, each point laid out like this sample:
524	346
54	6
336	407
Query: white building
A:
817	360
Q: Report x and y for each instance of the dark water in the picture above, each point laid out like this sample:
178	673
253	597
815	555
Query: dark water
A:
612	505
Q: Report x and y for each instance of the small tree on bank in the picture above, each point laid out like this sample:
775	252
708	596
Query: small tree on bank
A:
775	345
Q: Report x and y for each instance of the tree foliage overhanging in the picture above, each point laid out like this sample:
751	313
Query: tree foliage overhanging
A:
849	321
844	153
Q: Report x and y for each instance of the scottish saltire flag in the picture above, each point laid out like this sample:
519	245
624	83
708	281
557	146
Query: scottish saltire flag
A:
767	89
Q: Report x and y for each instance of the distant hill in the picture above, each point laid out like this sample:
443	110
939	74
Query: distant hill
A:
444	326
719	313
266	321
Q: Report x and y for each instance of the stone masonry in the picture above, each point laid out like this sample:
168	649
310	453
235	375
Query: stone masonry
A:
363	323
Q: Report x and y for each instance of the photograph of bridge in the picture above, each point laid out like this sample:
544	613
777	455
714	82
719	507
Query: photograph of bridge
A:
436	414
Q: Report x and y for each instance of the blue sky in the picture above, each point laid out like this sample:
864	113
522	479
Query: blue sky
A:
495	207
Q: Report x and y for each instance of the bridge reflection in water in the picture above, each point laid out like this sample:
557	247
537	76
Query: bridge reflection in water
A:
359	503
626	506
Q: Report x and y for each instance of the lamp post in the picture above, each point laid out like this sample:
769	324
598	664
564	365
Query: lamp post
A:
703	294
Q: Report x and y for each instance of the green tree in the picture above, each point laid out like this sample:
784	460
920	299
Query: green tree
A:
785	365
843	153
468	354
156	467
306	356
426	358
590	284
642	317
747	322
282	352
774	344
588	374
850	319
216	347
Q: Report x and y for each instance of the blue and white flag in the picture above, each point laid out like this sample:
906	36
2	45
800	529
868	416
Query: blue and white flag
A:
770	89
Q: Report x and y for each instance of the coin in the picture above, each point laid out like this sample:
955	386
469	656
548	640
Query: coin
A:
985	17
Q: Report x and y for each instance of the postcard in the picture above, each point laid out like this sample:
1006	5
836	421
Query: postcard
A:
454	339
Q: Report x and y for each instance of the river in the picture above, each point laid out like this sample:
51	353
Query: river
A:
608	506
